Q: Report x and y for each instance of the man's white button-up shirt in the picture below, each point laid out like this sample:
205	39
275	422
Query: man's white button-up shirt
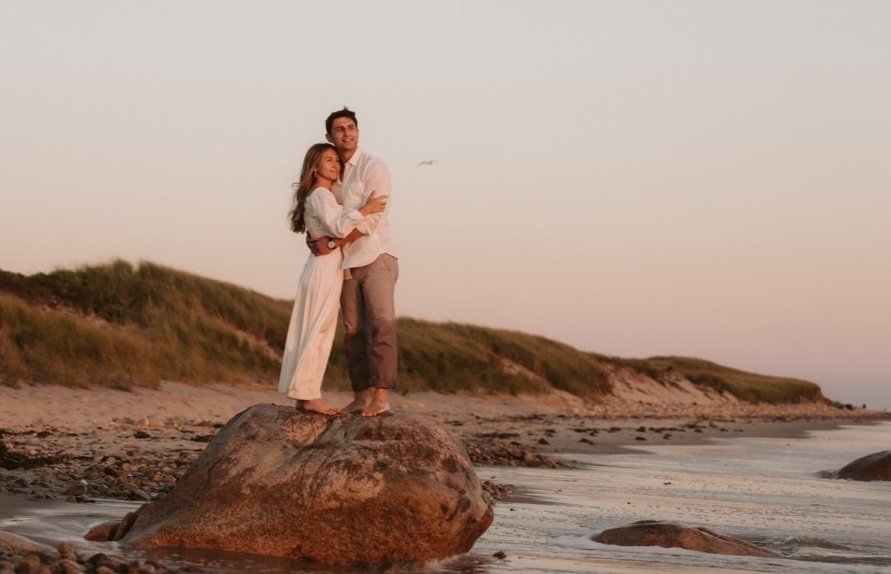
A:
363	176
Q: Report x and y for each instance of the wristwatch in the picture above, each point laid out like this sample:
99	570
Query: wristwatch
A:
332	244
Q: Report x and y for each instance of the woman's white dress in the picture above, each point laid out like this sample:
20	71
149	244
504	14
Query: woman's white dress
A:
314	315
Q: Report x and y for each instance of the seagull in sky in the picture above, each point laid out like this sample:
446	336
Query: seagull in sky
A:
427	162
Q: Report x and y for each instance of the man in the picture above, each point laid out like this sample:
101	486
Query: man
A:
367	301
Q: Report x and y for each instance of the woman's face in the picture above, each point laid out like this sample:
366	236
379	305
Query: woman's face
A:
328	168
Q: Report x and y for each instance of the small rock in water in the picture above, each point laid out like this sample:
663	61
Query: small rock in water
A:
670	535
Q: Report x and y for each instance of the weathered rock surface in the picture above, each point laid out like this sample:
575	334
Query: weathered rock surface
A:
875	466
345	490
670	535
14	543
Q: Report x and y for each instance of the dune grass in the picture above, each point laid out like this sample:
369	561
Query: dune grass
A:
82	353
449	357
122	325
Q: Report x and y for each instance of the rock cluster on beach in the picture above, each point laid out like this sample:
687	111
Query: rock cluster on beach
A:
21	557
494	451
129	462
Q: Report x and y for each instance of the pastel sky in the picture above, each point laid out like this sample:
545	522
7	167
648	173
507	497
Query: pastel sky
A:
701	178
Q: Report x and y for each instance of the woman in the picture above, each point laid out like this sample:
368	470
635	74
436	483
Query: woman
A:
314	316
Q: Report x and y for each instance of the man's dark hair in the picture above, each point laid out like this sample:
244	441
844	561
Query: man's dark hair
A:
344	113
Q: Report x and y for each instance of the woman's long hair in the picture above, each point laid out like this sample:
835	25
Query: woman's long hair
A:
303	187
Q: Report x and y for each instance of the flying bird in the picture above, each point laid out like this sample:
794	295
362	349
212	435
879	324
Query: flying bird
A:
427	162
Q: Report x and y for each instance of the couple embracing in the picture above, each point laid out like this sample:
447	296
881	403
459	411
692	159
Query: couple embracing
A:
340	202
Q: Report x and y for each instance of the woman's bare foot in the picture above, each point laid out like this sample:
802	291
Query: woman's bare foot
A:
379	405
317	406
360	402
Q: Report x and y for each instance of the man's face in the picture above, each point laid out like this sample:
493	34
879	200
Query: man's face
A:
344	135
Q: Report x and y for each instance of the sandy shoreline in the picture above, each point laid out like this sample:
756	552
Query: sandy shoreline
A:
83	445
81	409
135	444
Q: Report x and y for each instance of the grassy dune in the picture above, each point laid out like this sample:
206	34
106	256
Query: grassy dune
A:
121	325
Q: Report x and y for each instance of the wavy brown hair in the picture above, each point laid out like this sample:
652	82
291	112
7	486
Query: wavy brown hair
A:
303	187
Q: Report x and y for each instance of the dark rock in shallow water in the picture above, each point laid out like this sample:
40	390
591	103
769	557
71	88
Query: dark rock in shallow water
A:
344	490
670	535
875	466
103	532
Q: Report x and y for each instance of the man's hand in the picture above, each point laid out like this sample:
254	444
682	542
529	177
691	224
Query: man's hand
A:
319	245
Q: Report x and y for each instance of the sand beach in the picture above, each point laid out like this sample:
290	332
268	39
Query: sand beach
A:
135	443
71	445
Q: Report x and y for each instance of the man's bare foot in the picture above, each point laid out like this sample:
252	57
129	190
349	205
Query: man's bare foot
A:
360	401
379	405
317	406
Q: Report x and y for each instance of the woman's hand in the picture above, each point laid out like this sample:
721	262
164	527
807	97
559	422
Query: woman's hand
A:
374	204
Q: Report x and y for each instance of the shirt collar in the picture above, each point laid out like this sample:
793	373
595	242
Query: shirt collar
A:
354	161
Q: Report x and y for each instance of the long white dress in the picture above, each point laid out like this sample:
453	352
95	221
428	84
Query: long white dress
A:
314	315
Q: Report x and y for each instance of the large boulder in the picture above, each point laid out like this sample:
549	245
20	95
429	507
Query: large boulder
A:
348	490
875	466
670	535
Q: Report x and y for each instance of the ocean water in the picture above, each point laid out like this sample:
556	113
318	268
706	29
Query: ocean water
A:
769	491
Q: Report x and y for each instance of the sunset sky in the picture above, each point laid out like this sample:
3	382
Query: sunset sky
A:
635	178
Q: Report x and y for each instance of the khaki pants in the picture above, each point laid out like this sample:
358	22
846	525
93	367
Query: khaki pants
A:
369	317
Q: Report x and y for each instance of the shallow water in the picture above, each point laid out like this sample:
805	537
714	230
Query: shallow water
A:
765	490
